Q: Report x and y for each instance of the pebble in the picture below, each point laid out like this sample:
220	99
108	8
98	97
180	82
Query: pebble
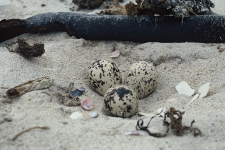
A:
93	114
8	119
65	122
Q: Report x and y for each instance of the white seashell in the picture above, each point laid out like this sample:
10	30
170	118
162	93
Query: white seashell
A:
203	90
75	115
135	132
115	118
115	54
93	114
184	88
161	111
193	99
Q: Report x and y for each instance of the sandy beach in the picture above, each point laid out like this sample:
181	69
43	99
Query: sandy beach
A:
67	59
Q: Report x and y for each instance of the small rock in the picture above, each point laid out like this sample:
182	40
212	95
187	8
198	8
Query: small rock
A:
93	114
65	122
8	119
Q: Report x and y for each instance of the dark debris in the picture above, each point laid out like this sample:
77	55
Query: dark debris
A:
175	124
178	8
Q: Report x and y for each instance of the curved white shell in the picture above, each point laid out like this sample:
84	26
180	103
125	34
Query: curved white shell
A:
203	90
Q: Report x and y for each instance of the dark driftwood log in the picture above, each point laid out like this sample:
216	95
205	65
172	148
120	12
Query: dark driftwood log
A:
207	28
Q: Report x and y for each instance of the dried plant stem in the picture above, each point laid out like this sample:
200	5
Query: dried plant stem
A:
16	136
187	7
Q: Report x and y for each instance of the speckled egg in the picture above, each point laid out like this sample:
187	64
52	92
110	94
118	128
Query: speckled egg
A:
142	78
121	101
104	75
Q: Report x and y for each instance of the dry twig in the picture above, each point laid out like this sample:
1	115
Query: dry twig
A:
16	136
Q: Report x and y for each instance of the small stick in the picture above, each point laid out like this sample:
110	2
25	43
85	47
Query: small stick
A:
38	84
16	136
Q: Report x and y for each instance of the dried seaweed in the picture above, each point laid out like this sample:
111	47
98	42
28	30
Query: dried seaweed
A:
177	8
22	47
175	124
90	4
117	10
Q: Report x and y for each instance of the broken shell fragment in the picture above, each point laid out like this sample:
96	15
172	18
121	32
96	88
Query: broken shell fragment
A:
75	115
115	118
203	90
184	88
93	114
146	114
77	92
135	132
115	54
87	104
82	89
193	99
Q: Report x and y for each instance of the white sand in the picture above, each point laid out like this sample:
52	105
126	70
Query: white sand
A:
67	59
